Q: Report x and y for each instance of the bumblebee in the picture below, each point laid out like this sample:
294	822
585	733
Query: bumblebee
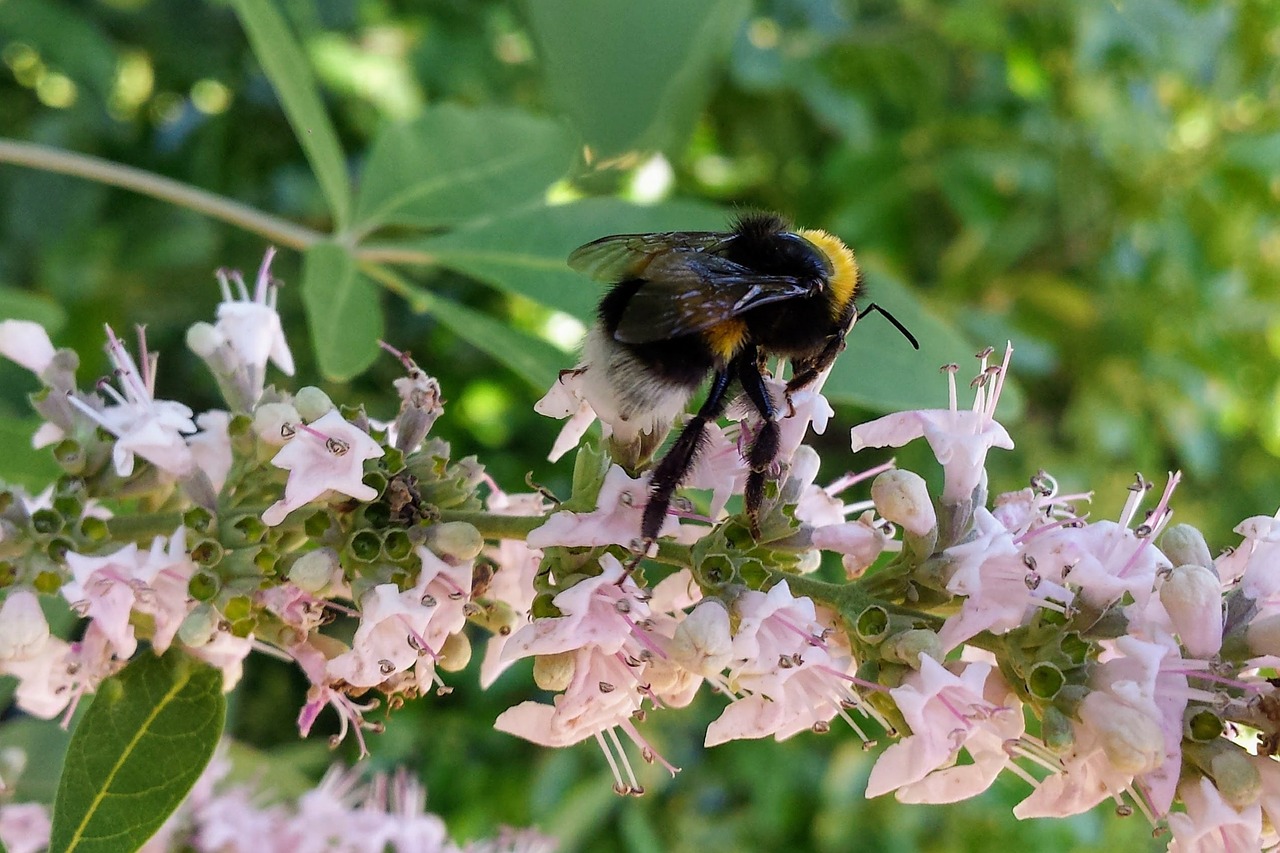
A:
686	304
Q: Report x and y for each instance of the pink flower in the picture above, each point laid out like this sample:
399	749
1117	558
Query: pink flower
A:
24	827
565	400
790	677
603	644
23	629
1210	824
328	455
511	591
616	521
111	587
403	629
948	713
998	582
959	439
211	446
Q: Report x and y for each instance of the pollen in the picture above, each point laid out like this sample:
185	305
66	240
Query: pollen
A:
844	276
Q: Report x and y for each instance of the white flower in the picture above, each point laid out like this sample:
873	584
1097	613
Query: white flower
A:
143	426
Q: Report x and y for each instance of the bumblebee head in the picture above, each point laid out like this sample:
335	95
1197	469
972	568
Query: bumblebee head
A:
840	265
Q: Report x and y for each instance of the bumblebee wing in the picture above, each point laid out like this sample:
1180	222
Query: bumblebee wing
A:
687	292
625	256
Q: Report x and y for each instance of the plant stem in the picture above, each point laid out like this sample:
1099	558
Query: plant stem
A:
274	228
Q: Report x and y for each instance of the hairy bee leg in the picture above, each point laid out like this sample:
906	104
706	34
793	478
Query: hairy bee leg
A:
764	450
811	369
675	465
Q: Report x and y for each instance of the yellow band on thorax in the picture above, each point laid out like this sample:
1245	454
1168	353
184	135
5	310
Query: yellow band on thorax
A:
726	338
844	276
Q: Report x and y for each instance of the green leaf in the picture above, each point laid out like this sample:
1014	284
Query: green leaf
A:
18	304
343	311
632	76
454	164
533	359
879	369
525	251
38	782
286	66
23	464
138	750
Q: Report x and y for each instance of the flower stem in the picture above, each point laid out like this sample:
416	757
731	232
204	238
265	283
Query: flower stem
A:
274	228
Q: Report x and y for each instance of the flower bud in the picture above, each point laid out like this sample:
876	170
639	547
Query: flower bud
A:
199	628
554	672
1057	732
1185	545
27	344
1193	598
455	654
204	340
861	542
420	406
23	628
1263	635
313	571
702	643
903	498
312	403
1236	777
274	423
1131	739
908	646
455	542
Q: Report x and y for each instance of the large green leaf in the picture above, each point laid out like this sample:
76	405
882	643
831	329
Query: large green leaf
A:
524	252
880	370
136	753
343	311
18	304
454	164
286	66
632	75
533	359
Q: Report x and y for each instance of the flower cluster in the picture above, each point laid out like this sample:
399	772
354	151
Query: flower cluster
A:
1095	659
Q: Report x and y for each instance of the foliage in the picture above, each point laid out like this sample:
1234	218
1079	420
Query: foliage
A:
1095	181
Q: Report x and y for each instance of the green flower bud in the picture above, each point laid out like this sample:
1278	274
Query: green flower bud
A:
553	672
312	403
314	570
455	542
455	654
1236	776
908	646
1185	545
1057	731
1263	635
903	498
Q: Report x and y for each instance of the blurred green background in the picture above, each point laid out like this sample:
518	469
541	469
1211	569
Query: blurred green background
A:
1096	181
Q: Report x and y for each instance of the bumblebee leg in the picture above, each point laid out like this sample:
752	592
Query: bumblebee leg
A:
675	465
764	450
809	369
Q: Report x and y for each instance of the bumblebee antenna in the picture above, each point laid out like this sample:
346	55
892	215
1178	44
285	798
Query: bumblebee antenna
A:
892	319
